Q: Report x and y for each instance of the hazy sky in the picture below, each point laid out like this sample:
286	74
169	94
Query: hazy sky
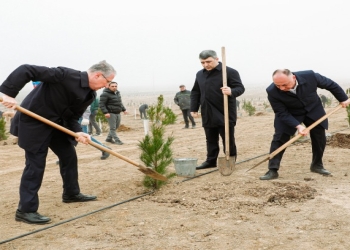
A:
154	44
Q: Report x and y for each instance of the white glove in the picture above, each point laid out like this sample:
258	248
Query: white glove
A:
85	122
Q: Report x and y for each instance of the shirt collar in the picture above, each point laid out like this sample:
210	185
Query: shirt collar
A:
84	79
294	91
218	67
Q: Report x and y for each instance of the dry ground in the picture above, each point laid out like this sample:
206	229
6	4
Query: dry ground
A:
300	210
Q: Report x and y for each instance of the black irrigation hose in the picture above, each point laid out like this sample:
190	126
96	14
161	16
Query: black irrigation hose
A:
249	159
134	198
74	218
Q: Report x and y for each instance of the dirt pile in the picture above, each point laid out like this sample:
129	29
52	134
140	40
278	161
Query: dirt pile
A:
122	127
341	140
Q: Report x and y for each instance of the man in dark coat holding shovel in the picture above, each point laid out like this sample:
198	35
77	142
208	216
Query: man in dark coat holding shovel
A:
62	98
294	99
207	93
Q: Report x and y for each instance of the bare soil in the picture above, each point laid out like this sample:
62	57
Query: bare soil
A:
300	210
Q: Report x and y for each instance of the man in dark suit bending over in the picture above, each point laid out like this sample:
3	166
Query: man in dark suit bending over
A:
294	99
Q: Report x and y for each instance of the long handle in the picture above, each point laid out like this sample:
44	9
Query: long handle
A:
226	114
295	138
145	170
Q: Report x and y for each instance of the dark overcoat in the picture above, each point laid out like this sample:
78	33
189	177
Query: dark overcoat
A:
290	109
207	94
62	97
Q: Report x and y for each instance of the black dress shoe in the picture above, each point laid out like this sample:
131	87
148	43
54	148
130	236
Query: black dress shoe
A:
119	142
320	171
31	218
78	198
110	141
206	165
270	175
104	156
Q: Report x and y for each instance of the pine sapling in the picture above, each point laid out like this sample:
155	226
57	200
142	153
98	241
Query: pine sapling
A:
156	149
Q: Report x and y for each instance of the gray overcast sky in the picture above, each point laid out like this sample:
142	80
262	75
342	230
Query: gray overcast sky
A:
154	44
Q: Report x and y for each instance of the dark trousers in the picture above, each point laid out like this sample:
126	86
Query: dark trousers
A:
187	115
318	143
213	148
35	166
143	114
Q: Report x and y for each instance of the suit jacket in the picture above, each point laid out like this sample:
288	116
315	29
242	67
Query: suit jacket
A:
206	93
291	109
62	97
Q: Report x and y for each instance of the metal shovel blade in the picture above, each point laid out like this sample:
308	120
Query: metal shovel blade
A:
226	166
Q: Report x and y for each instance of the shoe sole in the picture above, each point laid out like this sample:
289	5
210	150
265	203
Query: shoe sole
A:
321	173
206	168
274	178
71	201
29	222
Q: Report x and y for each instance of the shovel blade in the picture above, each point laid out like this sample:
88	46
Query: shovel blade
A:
226	166
151	173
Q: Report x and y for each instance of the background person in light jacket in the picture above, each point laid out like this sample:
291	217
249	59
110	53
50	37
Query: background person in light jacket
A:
92	118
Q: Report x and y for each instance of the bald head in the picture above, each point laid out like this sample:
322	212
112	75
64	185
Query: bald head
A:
283	79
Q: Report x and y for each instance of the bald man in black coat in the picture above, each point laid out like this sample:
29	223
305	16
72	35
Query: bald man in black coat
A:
294	99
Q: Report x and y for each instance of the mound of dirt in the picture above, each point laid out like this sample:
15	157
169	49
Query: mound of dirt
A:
122	127
341	140
259	114
290	192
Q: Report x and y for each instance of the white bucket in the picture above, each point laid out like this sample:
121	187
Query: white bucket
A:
185	166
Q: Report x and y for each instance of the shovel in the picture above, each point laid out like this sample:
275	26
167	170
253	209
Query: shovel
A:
147	171
295	138
226	164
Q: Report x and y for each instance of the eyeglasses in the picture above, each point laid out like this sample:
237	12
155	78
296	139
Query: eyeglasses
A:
106	79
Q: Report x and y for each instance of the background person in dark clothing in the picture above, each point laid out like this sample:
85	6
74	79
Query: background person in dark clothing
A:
183	100
293	98
111	105
323	100
143	112
62	98
208	92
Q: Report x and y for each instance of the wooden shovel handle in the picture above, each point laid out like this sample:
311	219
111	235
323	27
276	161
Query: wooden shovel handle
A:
295	138
145	170
226	114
